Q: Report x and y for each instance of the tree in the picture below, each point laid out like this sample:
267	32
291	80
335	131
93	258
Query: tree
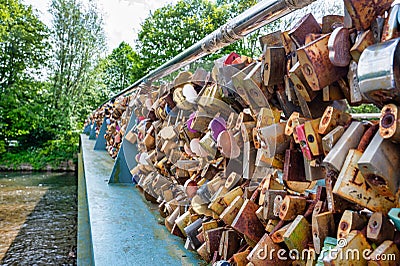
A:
173	28
122	68
77	40
23	54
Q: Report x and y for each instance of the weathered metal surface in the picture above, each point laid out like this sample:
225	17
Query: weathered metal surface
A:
380	228
389	127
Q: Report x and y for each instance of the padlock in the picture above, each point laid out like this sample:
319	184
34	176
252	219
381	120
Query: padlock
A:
240	258
339	47
379	165
343	252
291	124
332	92
351	185
204	254
191	232
271	40
364	39
277	236
330	139
331	22
323	225
385	254
300	84
378	72
379	228
229	244
249	158
200	121
232	180
255	76
363	12
298	234
247	223
332	118
288	44
231	211
389	125
351	220
317	69
294	166
182	221
213	237
262	160
291	207
264	253
272	203
391	26
267	117
355	92
273	139
313	170
289	89
302	139
394	215
305	26
231	195
274	65
287	107
349	140
314	140
209	145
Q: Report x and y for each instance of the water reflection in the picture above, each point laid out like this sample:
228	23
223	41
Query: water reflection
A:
38	219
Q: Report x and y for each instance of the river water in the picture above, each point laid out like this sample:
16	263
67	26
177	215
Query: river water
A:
38	218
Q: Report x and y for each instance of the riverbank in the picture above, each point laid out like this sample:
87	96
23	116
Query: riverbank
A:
66	166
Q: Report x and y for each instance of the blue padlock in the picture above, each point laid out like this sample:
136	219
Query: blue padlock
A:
394	215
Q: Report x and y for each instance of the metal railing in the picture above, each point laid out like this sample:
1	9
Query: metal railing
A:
252	19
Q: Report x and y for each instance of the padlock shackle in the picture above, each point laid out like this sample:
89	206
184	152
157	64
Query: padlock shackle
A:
235	29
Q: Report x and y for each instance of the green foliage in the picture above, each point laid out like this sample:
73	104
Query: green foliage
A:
173	28
121	68
365	108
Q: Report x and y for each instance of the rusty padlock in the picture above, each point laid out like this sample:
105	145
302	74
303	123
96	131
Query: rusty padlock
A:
332	118
389	125
339	47
272	203
351	220
364	39
380	228
291	207
316	65
274	66
247	223
300	84
363	12
305	26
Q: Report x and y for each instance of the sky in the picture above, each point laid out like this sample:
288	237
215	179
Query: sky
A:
122	17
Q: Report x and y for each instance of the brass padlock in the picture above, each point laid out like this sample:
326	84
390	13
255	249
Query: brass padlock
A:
231	211
291	207
314	140
378	72
305	26
300	84
380	164
332	118
316	66
389	126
